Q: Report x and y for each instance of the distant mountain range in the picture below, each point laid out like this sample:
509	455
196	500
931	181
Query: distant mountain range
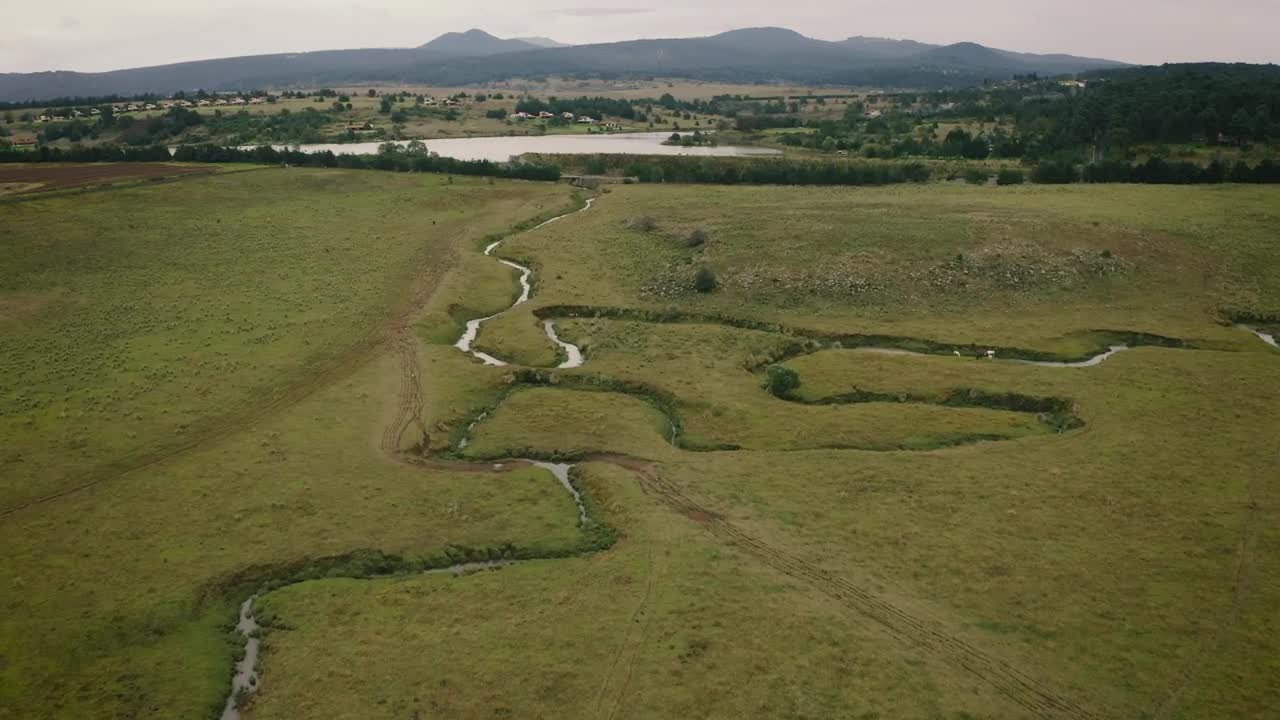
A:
750	55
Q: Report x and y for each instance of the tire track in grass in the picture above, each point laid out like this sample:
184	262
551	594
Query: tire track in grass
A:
926	635
1241	582
633	640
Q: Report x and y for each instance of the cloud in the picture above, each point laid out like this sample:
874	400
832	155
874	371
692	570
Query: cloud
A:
601	11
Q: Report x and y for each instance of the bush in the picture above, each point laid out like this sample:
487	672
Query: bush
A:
1010	176
696	238
643	223
704	281
1054	172
977	175
495	114
780	380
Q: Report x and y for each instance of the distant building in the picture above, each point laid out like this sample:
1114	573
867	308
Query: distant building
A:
359	127
21	140
586	120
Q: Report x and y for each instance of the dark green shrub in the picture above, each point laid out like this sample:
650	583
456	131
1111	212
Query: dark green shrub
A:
977	175
780	380
704	281
696	238
1010	176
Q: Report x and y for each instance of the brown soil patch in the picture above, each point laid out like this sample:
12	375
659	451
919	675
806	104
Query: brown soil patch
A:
20	305
54	176
701	516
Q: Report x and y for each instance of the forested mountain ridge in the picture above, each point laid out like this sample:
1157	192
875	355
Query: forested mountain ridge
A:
747	55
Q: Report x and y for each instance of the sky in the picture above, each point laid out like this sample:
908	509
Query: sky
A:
91	35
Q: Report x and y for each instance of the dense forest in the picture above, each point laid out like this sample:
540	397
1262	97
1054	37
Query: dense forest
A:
1108	115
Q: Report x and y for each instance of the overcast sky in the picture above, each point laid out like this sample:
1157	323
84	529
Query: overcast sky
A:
91	35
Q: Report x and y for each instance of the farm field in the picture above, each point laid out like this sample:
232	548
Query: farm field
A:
802	494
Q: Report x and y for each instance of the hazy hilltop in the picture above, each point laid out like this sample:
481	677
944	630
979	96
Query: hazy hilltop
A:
476	42
474	56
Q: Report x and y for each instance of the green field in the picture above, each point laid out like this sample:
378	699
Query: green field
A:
247	384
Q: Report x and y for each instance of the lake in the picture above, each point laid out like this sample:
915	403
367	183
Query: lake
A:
502	149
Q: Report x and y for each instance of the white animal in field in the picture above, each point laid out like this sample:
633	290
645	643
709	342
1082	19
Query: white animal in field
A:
991	354
957	352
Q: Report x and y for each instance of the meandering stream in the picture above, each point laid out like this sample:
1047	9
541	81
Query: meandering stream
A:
245	680
1267	338
466	343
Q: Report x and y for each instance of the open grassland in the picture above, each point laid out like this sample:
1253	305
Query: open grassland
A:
197	377
905	536
1028	267
1109	566
138	319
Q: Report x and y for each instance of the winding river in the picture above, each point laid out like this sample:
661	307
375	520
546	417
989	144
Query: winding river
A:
245	680
467	341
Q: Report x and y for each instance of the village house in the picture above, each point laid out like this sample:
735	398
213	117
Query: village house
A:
586	120
544	115
359	127
567	116
257	101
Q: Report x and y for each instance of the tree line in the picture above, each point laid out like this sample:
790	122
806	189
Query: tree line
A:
413	157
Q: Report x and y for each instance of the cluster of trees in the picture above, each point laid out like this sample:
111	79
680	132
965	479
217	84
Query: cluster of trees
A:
1111	116
1210	103
414	157
83	154
1157	171
694	139
410	158
242	128
749	171
596	107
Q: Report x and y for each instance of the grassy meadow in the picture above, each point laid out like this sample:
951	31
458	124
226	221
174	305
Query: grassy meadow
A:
195	382
897	536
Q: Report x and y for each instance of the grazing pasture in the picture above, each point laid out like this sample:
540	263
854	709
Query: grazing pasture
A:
835	477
